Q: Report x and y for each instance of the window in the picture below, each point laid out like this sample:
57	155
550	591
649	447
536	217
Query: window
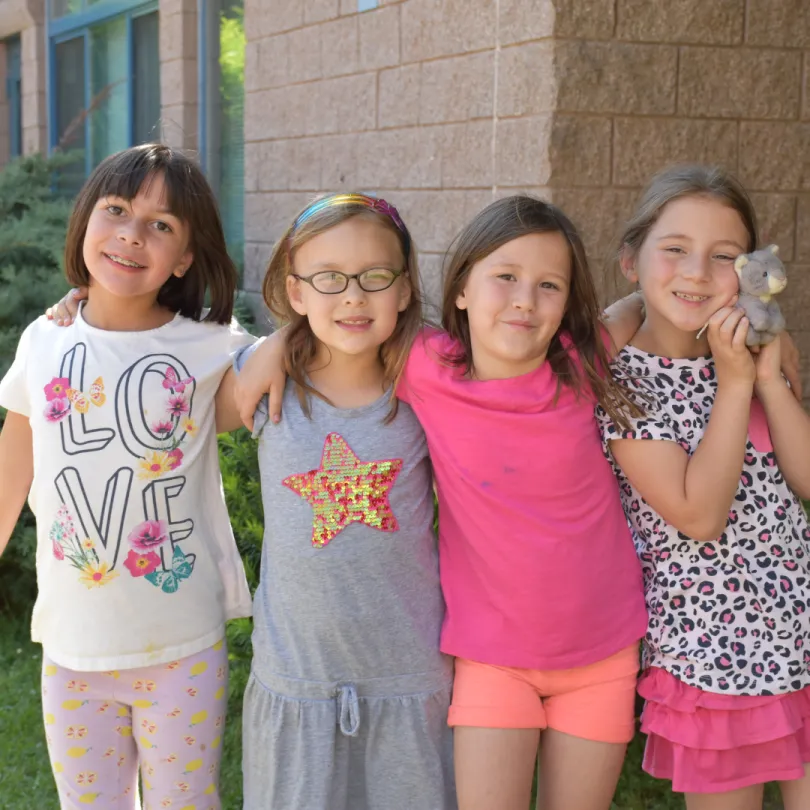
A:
222	139
105	79
14	95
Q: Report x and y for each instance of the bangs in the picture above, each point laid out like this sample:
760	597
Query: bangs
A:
187	197
134	170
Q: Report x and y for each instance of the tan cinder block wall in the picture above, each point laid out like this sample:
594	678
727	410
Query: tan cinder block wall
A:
34	81
719	81
178	72
435	104
442	105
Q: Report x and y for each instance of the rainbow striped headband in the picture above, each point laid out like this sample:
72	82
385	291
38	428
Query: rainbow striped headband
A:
372	203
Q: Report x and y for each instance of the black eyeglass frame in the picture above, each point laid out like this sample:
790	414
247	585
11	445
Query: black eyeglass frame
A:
348	277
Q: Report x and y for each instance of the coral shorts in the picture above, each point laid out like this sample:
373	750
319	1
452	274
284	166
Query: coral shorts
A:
595	702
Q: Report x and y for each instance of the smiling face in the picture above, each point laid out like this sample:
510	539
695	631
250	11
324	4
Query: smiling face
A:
132	247
353	322
685	265
515	299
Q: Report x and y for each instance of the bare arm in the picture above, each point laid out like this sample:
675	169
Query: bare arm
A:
790	363
263	373
694	494
622	320
16	471
788	423
226	413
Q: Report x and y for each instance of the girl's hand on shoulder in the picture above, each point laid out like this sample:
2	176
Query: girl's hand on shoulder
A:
65	310
734	363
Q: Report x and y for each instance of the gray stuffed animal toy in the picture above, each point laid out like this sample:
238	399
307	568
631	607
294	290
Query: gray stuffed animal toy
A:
762	275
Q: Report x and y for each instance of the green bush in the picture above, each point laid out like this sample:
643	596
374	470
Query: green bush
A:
32	236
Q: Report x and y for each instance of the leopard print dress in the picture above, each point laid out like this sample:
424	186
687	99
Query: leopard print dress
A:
731	615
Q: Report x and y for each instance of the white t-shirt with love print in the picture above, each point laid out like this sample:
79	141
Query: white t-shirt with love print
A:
136	559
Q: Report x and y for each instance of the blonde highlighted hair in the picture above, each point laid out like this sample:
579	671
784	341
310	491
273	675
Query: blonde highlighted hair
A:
301	345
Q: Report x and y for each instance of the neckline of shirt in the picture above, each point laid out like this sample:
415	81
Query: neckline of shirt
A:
121	335
676	362
317	404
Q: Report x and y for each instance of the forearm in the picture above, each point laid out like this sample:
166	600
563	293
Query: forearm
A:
16	472
713	472
789	426
13	500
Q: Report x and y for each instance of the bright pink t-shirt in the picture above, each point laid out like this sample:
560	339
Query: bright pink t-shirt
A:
537	563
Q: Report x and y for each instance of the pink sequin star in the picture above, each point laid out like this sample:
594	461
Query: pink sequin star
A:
345	490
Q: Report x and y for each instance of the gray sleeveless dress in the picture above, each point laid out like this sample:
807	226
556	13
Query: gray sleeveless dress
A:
346	707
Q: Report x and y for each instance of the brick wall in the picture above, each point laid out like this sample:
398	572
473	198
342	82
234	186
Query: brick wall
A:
34	72
404	100
725	82
441	105
178	72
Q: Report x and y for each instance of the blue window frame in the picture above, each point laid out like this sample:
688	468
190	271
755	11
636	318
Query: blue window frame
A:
104	78
14	95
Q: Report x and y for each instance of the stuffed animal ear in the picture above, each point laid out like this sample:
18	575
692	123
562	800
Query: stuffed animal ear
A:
774	249
739	263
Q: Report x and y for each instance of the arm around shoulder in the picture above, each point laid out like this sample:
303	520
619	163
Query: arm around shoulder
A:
622	320
16	471
789	426
225	408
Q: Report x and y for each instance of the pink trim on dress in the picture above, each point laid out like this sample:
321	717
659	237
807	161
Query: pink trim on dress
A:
706	742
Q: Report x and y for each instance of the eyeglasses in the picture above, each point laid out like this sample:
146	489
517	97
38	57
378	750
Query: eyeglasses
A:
333	282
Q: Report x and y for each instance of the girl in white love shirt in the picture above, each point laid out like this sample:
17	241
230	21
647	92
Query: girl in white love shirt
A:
111	424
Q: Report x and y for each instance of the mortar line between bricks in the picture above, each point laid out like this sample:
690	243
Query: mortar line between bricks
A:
705	46
771	192
677	78
571	113
493	164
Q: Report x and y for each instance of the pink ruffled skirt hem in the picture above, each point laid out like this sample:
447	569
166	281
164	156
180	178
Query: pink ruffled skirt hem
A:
711	743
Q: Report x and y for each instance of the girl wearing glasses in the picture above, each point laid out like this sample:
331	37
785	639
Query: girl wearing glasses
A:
346	707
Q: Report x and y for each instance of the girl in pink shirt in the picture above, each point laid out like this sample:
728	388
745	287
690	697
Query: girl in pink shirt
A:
544	596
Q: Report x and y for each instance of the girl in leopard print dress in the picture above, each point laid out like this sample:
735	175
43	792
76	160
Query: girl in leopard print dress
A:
710	478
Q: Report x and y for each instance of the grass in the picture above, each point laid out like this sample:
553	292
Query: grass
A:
25	776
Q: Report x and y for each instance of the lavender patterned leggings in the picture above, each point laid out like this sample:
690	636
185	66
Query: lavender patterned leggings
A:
167	720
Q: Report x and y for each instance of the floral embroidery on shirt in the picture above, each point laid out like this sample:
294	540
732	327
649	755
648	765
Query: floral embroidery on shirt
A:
345	490
168	458
81	554
60	397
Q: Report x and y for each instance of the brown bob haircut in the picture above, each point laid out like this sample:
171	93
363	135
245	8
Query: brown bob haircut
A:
301	345
189	197
501	222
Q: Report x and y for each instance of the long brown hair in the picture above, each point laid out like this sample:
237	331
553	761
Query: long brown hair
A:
686	181
188	197
301	344
501	222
